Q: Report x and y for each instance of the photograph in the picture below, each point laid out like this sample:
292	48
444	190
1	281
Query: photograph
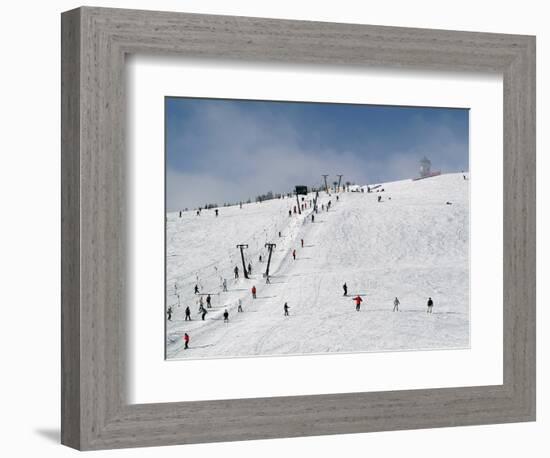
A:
297	228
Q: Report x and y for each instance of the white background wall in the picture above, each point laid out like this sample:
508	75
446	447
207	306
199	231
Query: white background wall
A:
29	228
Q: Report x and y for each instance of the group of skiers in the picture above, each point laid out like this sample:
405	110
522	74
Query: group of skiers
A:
358	300
286	307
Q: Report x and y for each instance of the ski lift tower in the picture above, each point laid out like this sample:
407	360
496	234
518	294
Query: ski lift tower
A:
326	185
425	167
339	181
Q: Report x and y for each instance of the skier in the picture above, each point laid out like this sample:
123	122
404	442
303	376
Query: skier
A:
294	209
226	316
312	218
345	288
224	284
430	305
201	302
294	254
396	305
279	233
236	271
196	289
216	211
240	205
254	292
240	307
379	198
302	242
180	213
358	301
260	258
208	301
249	269
186	341
286	307
204	312
169	313
289	213
187	314
337	198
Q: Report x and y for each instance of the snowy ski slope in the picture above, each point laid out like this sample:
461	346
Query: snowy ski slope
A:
411	245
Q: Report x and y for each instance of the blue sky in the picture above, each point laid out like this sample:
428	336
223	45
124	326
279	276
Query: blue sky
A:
230	150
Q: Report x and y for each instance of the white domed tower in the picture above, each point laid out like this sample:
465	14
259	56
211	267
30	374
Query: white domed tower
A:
425	167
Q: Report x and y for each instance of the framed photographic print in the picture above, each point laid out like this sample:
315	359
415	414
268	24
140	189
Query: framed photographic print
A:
286	228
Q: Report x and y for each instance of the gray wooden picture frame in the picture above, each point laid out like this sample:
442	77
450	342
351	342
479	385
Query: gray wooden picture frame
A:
95	411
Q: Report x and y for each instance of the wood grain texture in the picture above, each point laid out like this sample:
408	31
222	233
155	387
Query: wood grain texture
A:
95	411
70	229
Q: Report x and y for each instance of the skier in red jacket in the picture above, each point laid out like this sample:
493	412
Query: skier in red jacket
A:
254	292
186	340
358	301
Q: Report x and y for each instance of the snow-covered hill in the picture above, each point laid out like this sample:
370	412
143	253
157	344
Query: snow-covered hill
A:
413	244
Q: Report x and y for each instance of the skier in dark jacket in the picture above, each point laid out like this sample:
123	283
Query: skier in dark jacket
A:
286	307
226	316
196	289
169	313
345	288
396	305
204	312
208	301
236	271
249	269
187	314
430	305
